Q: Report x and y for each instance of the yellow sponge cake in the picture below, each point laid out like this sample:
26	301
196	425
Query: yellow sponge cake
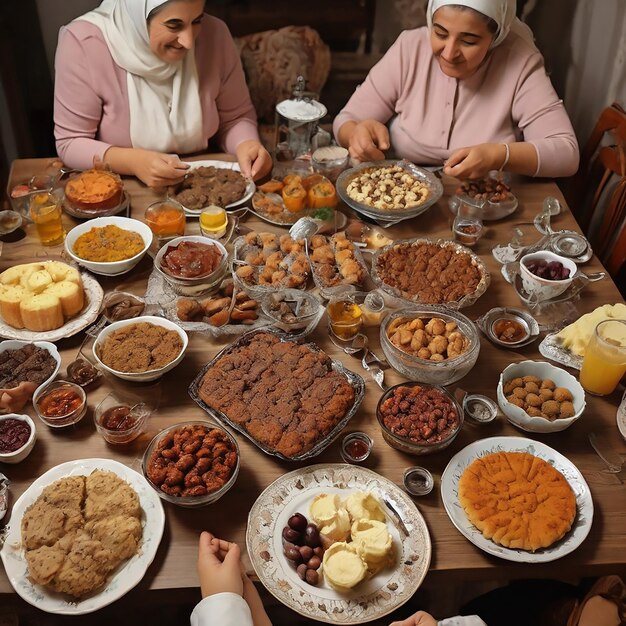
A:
40	296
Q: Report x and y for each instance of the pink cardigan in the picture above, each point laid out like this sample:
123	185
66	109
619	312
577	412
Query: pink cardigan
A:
510	98
91	110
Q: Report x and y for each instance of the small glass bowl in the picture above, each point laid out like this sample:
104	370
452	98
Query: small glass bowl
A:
410	446
418	481
423	370
132	427
356	447
346	328
163	228
190	501
299	324
67	419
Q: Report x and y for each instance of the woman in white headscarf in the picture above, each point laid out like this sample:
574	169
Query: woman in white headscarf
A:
469	90
139	82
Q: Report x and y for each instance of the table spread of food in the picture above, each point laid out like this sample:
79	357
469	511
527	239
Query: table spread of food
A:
345	380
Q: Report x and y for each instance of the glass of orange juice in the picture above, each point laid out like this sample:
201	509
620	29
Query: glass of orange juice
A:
604	362
45	211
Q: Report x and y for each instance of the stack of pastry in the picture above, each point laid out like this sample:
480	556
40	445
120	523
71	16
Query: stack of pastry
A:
517	500
40	296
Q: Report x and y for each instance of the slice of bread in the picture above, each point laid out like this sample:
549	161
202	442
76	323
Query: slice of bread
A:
42	312
70	295
10	298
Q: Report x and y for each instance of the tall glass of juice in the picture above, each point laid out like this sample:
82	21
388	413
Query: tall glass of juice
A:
45	211
604	362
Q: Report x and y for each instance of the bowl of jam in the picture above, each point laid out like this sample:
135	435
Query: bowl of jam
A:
120	421
61	403
17	437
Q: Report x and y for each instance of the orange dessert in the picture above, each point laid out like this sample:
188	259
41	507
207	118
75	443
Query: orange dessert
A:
94	190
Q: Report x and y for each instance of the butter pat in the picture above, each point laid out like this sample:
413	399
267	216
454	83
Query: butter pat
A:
372	541
343	567
364	505
576	336
331	517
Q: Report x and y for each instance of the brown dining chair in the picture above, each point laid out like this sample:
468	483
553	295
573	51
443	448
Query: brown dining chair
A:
597	194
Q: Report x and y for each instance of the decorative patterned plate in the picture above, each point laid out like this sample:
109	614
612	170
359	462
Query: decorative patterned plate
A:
124	578
225	165
450	496
93	296
372	599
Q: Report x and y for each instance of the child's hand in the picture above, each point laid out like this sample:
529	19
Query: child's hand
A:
219	566
421	618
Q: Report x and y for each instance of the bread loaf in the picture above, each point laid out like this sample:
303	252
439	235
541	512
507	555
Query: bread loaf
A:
40	296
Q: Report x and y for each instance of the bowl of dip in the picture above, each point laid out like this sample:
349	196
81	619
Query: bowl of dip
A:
192	265
17	437
60	403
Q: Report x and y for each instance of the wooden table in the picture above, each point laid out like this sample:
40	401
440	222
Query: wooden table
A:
453	556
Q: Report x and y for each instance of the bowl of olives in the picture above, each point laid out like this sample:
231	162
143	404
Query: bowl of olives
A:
302	547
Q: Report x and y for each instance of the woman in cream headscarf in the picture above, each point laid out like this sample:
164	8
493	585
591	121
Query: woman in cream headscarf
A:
469	90
139	82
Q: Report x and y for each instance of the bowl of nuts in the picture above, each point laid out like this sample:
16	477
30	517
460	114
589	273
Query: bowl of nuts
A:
492	193
389	190
419	419
539	397
431	344
191	464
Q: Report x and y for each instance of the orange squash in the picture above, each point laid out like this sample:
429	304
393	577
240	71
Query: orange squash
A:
322	194
294	197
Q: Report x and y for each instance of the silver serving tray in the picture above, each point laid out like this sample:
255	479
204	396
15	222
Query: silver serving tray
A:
358	384
486	321
286	218
552	349
435	191
467	300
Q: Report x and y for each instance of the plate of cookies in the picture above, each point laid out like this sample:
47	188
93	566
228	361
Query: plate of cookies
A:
517	499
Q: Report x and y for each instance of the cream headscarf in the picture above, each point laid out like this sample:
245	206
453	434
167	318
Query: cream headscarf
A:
164	98
501	11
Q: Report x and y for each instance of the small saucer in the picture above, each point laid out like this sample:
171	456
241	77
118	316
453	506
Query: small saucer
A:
480	409
10	221
488	321
570	244
122	207
418	481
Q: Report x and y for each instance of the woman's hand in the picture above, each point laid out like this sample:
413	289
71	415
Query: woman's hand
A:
155	169
219	566
365	140
254	160
475	161
421	618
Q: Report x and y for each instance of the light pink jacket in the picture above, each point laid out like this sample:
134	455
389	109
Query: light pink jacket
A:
91	110
510	98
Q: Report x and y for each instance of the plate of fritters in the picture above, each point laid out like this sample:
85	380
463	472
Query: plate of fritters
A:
81	536
424	271
517	499
383	590
212	182
291	400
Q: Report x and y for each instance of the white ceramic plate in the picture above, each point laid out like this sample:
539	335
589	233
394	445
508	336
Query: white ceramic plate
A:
124	578
226	165
372	599
93	300
450	496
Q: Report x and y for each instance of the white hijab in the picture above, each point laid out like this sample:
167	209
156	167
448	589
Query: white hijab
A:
501	11
164	98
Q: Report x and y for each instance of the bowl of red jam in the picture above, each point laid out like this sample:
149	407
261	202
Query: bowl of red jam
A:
60	404
120	421
17	437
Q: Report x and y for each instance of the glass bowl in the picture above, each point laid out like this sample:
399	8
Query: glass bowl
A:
120	421
193	286
412	445
424	370
165	438
60	403
293	311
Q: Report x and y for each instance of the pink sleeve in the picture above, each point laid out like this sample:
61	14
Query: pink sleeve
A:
77	107
238	120
376	97
542	118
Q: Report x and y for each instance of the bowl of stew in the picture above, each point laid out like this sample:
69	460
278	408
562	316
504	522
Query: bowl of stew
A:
192	265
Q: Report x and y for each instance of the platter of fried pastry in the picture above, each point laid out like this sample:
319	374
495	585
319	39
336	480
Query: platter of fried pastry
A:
323	541
81	536
47	300
517	499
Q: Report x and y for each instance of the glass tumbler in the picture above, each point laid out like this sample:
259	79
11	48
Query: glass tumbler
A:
604	362
468	223
45	211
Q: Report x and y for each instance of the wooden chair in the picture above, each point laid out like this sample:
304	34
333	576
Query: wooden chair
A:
600	185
